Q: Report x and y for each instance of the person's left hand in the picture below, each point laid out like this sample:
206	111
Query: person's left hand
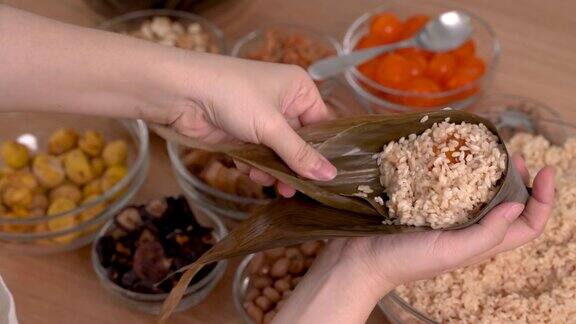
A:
391	260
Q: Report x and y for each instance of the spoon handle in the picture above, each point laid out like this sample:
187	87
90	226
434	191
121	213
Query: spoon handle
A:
334	65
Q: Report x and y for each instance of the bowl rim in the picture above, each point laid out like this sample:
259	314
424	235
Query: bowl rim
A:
257	33
142	139
237	283
220	231
353	72
212	28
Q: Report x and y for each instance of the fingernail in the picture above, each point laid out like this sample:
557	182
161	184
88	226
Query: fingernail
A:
325	172
513	211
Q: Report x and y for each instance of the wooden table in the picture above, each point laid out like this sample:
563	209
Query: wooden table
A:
538	60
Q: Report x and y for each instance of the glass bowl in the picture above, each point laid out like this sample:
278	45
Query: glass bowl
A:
510	114
383	99
240	286
339	99
22	235
256	39
133	20
152	303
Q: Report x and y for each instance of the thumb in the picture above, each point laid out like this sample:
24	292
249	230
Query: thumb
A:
464	244
298	154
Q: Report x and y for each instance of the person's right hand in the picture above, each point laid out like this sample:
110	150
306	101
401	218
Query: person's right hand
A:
259	103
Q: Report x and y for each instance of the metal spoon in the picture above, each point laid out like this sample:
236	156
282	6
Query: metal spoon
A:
446	32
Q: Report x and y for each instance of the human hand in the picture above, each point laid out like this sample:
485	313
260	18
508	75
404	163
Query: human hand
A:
396	259
258	103
353	274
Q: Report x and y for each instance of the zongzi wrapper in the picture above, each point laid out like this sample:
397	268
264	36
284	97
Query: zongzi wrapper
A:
438	178
335	208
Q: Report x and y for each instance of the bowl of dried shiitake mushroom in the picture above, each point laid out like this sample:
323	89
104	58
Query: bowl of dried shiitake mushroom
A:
171	28
139	248
62	176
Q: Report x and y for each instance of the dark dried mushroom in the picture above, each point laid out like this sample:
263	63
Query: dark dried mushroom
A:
146	236
156	207
150	263
150	241
129	219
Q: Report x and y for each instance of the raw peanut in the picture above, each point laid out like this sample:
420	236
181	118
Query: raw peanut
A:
274	254
260	282
251	294
254	312
308	262
272	294
296	265
309	248
292	252
296	281
283	284
268	317
194	28
280	268
265	270
263	302
256	263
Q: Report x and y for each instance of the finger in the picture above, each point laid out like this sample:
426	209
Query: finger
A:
307	104
285	190
456	247
316	109
533	219
242	167
299	156
261	177
541	203
521	168
294	122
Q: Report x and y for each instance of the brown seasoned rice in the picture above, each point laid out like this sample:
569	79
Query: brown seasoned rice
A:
532	284
438	177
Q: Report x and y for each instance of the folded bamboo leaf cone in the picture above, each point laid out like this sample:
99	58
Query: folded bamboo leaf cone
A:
356	203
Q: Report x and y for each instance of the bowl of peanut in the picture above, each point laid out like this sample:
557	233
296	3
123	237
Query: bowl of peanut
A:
62	176
265	280
171	28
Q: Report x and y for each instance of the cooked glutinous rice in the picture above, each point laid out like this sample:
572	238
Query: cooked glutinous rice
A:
532	284
438	177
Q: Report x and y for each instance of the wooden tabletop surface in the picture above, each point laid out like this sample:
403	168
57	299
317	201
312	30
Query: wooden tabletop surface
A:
538	60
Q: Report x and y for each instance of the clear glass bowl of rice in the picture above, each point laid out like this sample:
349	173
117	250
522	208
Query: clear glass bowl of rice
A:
511	115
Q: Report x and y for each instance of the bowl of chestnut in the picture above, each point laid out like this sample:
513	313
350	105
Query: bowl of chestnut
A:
137	250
